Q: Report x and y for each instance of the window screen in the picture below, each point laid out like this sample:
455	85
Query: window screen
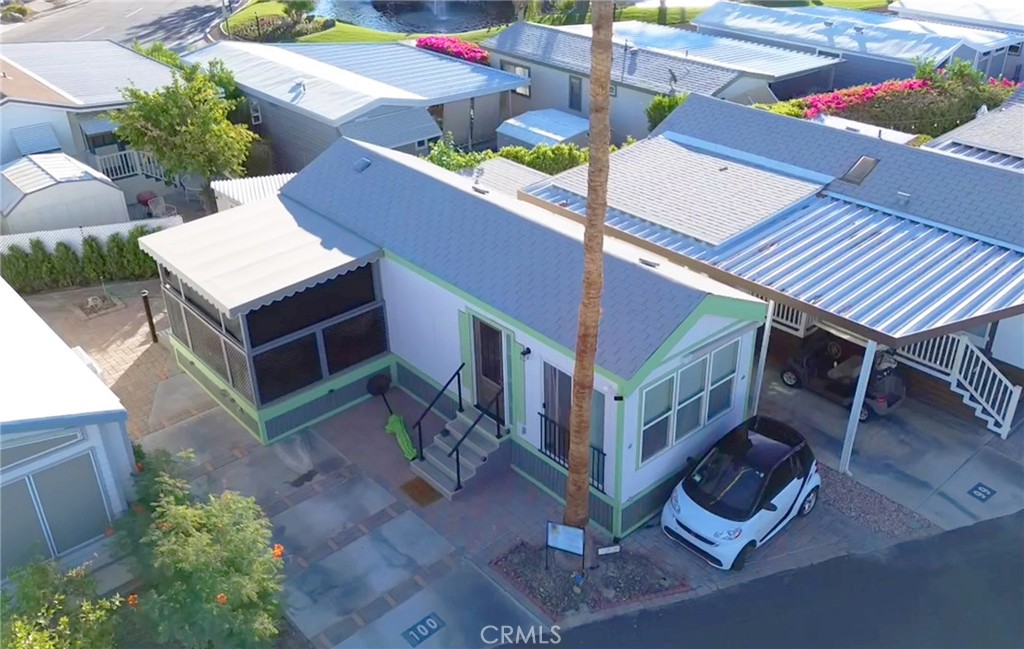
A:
21	533
287	368
354	340
72	502
206	344
176	318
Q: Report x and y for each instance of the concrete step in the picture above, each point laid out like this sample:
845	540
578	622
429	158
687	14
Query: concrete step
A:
437	478
470	454
482	439
438	456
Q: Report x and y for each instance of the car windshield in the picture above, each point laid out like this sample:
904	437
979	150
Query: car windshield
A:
725	485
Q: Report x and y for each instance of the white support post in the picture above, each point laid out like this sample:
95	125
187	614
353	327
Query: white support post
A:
866	369
763	358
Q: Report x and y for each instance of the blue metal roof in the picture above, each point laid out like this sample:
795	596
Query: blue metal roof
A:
986	156
882	271
825	32
764	60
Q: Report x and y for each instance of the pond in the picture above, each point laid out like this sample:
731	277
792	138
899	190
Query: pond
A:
428	17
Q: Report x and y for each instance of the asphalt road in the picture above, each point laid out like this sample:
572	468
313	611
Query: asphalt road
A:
960	589
178	23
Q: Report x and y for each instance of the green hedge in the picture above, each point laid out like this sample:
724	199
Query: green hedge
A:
37	269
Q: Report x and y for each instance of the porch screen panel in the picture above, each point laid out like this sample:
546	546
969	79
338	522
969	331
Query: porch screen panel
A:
72	502
355	340
202	304
239	372
176	318
287	368
206	344
316	304
21	532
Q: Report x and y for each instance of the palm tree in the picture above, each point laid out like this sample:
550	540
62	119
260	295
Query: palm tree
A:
577	490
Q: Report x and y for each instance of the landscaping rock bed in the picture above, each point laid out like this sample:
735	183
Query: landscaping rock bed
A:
871	508
616	579
99	304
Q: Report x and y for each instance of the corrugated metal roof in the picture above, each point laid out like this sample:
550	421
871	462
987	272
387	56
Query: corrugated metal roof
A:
43	379
505	176
641	68
37	172
994	14
945	190
258	253
705	196
996	138
92	72
545	126
35	138
796	27
338	82
248	190
392	126
753	58
888	273
979	39
504	252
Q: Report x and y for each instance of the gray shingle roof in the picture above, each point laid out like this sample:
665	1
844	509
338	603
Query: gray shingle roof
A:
946	190
506	176
511	255
392	126
644	69
701	195
1000	132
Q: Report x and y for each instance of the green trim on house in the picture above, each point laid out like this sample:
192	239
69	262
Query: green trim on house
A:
532	449
517	377
737	329
320	389
243	403
494	313
620	450
466	350
711	305
554	495
626	533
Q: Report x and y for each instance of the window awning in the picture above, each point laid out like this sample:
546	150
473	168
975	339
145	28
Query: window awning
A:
97	127
258	253
35	138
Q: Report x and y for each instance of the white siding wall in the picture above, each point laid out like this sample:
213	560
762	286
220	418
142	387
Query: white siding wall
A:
67	205
636	478
1008	344
748	90
423	329
14	115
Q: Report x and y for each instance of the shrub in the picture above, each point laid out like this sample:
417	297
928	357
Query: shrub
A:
51	608
789	108
17	268
93	260
15	13
67	266
456	47
547	158
661	107
272	29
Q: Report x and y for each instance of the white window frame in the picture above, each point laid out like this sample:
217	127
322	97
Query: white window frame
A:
675	405
522	71
613	90
573	77
20	439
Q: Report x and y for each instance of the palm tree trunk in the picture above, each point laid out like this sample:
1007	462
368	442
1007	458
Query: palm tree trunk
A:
577	491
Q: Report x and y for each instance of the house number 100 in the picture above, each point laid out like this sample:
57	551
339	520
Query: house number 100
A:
423	629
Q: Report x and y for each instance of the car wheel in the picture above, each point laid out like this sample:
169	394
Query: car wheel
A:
864	414
834	350
790	378
741	558
810	500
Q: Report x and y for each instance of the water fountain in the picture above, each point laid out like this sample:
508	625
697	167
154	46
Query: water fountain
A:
423	17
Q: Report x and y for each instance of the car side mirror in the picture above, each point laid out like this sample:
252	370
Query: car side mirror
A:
770	507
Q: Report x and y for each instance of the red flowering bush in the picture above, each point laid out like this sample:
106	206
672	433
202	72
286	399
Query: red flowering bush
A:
831	103
452	46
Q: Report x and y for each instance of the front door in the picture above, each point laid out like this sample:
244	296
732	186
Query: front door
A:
488	349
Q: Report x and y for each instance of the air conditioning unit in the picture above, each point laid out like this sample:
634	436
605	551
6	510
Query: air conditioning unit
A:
255	116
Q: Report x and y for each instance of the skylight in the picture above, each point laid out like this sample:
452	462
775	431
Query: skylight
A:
860	170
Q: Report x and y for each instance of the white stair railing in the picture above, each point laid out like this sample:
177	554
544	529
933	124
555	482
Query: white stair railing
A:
125	164
149	166
969	372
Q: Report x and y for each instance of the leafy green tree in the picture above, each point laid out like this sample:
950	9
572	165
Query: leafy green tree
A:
53	609
547	158
16	269
661	107
42	264
185	126
297	10
94	260
159	52
445	154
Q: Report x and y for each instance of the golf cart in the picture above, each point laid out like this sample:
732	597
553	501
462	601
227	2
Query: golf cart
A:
829	365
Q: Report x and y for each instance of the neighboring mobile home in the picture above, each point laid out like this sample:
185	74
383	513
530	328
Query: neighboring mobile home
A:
64	451
873	47
994	15
304	97
371	261
647	61
898	246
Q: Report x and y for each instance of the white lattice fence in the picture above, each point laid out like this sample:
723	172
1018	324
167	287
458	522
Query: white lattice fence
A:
74	236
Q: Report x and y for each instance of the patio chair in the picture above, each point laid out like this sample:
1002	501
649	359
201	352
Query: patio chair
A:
160	208
193	188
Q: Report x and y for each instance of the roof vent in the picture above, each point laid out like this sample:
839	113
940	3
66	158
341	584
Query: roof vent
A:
829	23
649	263
858	29
904	197
361	165
481	190
723	168
860	170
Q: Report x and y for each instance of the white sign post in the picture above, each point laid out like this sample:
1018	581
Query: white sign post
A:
567	539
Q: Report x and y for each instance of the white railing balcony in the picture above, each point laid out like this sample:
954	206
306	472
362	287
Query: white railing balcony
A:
125	164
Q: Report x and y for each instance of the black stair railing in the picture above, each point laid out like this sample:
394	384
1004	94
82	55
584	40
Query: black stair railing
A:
487	409
418	426
554	442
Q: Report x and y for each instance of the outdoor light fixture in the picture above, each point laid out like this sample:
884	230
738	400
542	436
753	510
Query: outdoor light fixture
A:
526	352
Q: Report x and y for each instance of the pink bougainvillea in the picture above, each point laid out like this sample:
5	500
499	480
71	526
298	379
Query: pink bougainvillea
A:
831	103
452	46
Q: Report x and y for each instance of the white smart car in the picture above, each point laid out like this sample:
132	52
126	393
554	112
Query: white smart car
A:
742	492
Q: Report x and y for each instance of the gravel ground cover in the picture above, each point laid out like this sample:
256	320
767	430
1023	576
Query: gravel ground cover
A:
871	508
